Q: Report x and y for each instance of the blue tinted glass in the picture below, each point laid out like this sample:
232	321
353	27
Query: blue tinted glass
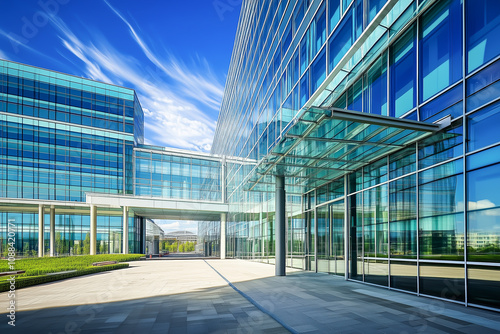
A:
450	193
402	162
333	13
483	78
304	89
298	16
318	70
374	6
403	74
358	16
304	53
441	171
341	41
287	39
320	30
483	158
354	97
441	147
483	87
481	129
443	102
484	214
483	29
375	94
440	48
482	186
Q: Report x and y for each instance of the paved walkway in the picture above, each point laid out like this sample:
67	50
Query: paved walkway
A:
193	296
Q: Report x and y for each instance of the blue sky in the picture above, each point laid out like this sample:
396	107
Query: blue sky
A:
175	54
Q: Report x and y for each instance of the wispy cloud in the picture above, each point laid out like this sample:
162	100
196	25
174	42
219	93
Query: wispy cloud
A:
170	92
204	88
3	55
20	44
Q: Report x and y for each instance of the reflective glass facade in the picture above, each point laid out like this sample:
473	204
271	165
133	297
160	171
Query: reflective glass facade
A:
60	137
380	117
423	218
168	173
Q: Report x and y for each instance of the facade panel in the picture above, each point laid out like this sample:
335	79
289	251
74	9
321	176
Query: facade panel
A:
421	219
60	137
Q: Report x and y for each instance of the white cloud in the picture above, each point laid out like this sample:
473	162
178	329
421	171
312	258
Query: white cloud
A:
485	204
168	90
204	88
172	226
3	55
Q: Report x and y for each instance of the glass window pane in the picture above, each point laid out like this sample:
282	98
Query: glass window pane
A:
320	30
403	213
375	173
443	280
481	133
441	147
337	238
404	275
375	90
375	212
354	96
323	239
374	6
483	158
483	203
403	74
341	41
304	52
318	71
441	225
440	106
483	285
440	48
376	271
483	29
402	162
304	89
333	13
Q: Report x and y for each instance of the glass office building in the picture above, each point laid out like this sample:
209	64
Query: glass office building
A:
60	137
356	137
381	120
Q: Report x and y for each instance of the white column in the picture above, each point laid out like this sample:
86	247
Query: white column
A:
52	231
222	236
93	229
41	246
125	230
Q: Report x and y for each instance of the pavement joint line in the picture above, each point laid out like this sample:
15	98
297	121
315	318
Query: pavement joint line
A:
474	319
253	302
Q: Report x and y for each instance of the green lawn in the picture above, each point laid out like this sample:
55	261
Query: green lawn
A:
38	268
43	265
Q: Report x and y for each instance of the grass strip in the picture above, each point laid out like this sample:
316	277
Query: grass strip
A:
23	282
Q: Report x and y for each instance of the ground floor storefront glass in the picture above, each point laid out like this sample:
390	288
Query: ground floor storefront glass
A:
71	233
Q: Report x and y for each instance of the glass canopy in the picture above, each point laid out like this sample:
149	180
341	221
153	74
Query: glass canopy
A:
326	143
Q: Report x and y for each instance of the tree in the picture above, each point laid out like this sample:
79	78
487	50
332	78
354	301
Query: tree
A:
78	248
59	244
86	244
102	248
